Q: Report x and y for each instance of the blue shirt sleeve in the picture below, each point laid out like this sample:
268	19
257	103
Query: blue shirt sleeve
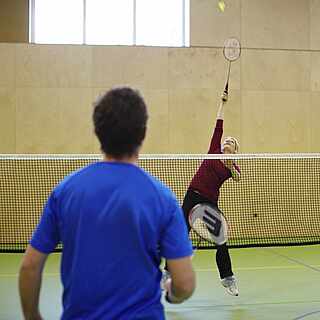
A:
46	236
175	242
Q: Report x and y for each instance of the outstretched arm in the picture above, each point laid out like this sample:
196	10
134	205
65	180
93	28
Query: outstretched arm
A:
218	130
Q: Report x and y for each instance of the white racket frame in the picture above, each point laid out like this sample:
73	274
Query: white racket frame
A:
197	213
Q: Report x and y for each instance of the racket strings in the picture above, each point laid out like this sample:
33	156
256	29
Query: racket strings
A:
202	229
232	49
208	223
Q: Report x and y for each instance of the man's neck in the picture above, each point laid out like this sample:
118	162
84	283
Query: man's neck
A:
132	159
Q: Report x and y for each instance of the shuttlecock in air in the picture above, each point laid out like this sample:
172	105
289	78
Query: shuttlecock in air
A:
221	5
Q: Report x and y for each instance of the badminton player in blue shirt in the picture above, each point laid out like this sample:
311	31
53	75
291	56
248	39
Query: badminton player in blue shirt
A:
115	222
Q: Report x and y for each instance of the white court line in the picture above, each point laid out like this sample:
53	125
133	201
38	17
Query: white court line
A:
54	274
259	268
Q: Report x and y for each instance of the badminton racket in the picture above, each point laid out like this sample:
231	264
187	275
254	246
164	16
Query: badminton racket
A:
231	51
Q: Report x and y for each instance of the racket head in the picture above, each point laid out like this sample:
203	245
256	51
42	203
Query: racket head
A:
208	223
232	49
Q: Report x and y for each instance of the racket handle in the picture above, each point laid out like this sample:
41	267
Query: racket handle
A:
226	88
225	93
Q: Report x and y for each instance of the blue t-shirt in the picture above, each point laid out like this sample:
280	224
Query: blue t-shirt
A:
115	222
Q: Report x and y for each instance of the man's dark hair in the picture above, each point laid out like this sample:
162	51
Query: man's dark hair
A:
120	119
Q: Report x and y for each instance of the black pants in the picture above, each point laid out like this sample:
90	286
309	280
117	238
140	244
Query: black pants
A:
223	259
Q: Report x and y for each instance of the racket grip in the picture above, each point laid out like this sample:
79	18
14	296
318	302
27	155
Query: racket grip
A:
225	94
226	88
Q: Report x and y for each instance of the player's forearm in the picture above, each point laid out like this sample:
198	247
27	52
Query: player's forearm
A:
220	113
29	287
224	99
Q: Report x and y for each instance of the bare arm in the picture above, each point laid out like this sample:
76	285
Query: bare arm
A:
224	99
30	282
183	282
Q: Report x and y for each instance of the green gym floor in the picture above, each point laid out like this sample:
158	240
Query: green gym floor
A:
275	283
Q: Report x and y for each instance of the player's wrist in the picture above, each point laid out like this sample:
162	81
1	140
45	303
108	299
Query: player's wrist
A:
33	316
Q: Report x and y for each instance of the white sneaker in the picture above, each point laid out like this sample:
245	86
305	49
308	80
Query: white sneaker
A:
230	284
165	277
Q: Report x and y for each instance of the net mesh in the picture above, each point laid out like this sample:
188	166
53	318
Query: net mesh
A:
276	202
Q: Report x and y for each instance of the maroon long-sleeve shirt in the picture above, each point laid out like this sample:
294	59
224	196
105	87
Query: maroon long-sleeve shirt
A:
212	173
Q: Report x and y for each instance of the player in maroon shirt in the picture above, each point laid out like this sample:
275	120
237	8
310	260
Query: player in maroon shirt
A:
205	186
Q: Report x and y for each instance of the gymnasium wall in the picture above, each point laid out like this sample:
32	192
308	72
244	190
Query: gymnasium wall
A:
46	91
14	20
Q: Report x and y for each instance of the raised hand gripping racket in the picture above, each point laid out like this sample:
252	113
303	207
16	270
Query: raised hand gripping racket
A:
231	51
209	223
